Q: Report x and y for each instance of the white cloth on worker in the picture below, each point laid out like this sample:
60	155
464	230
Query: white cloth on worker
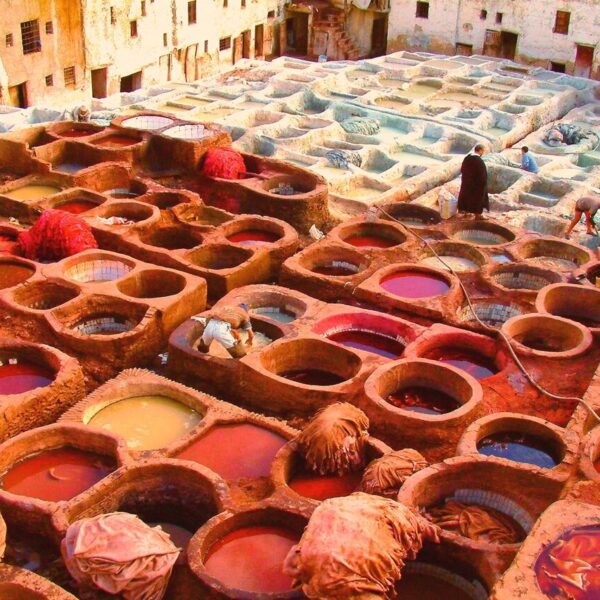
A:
220	331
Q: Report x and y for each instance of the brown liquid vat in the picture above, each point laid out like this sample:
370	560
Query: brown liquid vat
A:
435	436
128	210
292	517
391	235
576	302
33	515
547	336
562	443
42	405
201	217
490	482
39	296
14	271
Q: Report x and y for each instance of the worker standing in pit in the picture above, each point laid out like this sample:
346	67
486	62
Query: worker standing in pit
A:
230	326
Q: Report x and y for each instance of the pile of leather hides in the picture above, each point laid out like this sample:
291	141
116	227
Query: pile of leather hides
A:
476	522
356	546
119	554
384	476
57	234
334	439
362	125
225	163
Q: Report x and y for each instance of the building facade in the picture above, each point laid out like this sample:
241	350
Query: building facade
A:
57	52
561	35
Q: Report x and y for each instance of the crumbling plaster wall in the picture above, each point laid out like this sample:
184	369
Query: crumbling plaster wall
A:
456	21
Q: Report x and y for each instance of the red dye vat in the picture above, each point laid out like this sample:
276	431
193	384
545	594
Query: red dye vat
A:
236	451
253	237
322	487
12	274
423	400
336	270
251	559
473	363
413	284
312	377
369	341
570	566
56	475
116	141
370	241
8	245
23	377
75	133
76	207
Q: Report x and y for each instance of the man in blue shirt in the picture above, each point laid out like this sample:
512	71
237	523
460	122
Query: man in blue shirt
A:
527	161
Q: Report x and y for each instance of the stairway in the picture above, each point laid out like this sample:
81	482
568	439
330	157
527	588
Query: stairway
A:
340	46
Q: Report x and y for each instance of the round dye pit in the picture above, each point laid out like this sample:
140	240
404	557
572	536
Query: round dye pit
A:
147	422
312	377
476	521
414	284
370	241
336	269
484	237
253	237
473	363
179	536
456	263
368	341
275	313
116	141
98	270
13	273
77	207
122	193
76	132
322	487
236	451
20	377
543	341
32	192
56	475
569	567
104	325
520	447
251	559
420	399
423	581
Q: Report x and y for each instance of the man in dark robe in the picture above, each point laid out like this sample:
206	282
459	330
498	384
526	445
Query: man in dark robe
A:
473	196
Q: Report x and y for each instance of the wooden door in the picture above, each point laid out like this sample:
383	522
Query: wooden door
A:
492	43
238	44
583	61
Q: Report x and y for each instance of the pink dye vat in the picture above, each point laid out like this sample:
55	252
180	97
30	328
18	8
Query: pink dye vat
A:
236	451
56	475
253	237
423	400
251	559
473	363
322	487
116	141
370	241
23	377
414	284
312	377
369	341
77	207
570	566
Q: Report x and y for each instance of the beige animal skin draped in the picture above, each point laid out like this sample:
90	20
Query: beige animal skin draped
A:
120	554
355	547
334	440
384	476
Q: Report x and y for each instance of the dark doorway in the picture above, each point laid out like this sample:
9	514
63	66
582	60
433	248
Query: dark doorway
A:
379	36
237	49
246	39
508	48
492	43
132	82
99	82
464	49
18	95
297	34
259	41
583	61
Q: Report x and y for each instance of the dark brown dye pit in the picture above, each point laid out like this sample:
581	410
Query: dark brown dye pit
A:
413	284
369	341
424	586
336	270
519	447
569	567
473	363
312	377
541	341
427	401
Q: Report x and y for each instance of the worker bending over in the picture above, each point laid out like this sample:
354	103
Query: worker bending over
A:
588	206
230	326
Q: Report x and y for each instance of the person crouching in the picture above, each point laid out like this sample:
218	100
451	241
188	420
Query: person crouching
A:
230	326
